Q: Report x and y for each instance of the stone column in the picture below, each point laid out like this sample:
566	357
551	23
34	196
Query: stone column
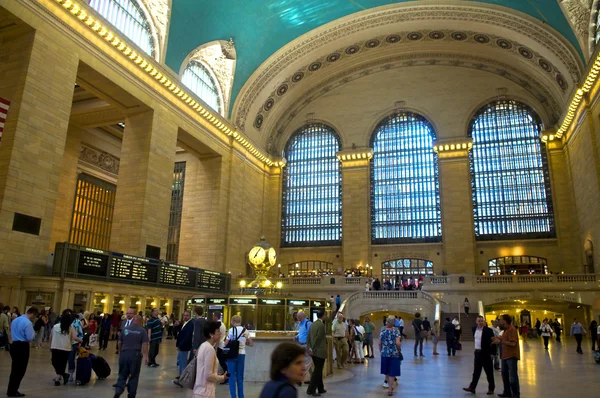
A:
38	77
356	222
458	234
143	200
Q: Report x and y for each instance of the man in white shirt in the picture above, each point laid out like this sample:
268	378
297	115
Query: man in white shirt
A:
484	352
220	354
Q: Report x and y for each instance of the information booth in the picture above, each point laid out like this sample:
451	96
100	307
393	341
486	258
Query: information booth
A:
218	304
316	305
294	306
244	307
271	314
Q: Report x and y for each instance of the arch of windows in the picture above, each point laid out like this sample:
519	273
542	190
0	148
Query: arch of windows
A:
311	268
128	17
197	78
312	189
394	270
518	265
509	172
405	194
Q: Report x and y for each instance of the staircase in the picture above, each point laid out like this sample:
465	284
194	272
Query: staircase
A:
466	324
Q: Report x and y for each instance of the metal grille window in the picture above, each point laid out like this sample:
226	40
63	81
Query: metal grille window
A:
405	193
509	172
198	79
176	210
128	17
312	189
91	223
518	265
310	268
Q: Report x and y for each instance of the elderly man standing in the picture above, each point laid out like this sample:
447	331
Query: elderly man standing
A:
301	337
22	334
316	342
133	346
340	339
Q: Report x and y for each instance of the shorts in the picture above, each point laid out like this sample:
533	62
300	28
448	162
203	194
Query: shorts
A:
368	339
390	366
434	339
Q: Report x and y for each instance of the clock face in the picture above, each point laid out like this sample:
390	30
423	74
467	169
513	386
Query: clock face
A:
257	255
272	256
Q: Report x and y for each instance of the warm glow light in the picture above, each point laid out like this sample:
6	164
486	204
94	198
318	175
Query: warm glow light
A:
242	283
121	301
278	285
153	303
267	283
166	304
138	302
103	301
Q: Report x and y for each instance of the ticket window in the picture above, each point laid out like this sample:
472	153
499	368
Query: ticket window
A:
247	312
80	302
119	304
100	301
293	307
39	300
271	317
177	309
213	309
135	303
164	306
150	304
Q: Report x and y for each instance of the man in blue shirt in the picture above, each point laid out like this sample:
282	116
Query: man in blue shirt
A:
303	327
22	334
154	327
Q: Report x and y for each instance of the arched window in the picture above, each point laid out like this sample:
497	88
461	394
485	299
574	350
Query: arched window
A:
518	265
597	35
405	194
198	79
312	189
509	171
128	17
394	270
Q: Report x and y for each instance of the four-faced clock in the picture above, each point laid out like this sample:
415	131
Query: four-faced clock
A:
272	256
257	255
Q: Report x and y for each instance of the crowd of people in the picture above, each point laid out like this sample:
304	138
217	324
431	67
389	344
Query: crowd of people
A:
396	283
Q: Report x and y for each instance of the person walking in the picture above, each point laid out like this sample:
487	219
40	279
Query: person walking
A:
577	331
235	366
4	327
557	329
184	344
39	327
546	332
435	335
104	332
484	352
359	335
198	323
509	341
450	337
316	343
206	362
61	336
287	371
340	339
594	334
466	306
538	326
338	303
154	328
400	326
368	342
303	327
221	344
390	347
22	334
419	333
133	347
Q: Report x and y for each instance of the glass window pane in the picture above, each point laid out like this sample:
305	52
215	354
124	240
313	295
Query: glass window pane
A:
198	79
176	211
405	194
312	190
509	171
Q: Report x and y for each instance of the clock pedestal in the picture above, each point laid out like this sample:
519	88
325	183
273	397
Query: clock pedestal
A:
261	271
261	258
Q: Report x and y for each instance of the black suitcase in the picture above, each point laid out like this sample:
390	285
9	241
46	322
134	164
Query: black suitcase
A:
84	371
100	366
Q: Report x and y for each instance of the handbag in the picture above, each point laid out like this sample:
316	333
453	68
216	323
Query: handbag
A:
187	379
93	340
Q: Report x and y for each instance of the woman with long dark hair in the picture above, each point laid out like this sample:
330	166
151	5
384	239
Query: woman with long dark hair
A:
60	345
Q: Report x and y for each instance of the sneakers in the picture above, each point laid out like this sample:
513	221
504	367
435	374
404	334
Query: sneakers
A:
385	384
176	382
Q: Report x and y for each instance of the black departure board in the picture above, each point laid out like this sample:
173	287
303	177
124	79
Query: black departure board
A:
220	300
180	275
211	280
123	266
92	262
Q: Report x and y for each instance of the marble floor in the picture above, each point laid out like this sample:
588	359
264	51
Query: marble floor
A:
559	372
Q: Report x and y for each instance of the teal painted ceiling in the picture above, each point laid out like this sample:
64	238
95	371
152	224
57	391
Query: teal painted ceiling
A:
260	27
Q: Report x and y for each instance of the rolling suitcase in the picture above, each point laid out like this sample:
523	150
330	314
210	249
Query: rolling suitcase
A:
84	371
100	366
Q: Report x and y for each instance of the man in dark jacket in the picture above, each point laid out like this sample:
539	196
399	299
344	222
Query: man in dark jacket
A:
450	338
316	343
199	322
484	353
184	344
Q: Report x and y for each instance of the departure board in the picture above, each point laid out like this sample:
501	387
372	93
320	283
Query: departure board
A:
92	262
180	275
211	280
123	266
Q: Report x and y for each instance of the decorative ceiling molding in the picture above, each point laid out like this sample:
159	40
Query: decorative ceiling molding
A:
578	14
278	125
160	12
99	159
345	55
393	16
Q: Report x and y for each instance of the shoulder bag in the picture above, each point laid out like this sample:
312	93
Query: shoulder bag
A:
187	379
232	349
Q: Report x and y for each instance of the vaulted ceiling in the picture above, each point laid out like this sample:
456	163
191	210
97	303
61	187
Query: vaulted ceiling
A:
260	28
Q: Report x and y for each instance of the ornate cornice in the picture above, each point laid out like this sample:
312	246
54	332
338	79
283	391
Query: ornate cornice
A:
415	59
578	14
393	15
99	159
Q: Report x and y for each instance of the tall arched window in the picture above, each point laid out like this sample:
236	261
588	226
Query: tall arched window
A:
509	171
312	189
198	79
128	17
405	193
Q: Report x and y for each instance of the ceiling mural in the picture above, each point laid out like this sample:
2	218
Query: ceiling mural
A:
260	28
396	39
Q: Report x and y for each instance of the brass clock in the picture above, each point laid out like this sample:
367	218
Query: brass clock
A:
272	256
257	255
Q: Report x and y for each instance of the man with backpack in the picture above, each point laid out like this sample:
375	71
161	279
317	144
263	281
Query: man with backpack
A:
303	328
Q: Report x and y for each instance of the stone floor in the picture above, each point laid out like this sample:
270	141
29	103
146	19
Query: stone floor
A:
559	372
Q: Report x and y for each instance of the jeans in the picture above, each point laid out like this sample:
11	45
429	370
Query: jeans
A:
182	360
578	338
510	377
419	342
130	364
236	369
72	356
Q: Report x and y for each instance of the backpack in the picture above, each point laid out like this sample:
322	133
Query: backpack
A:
232	350
357	335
